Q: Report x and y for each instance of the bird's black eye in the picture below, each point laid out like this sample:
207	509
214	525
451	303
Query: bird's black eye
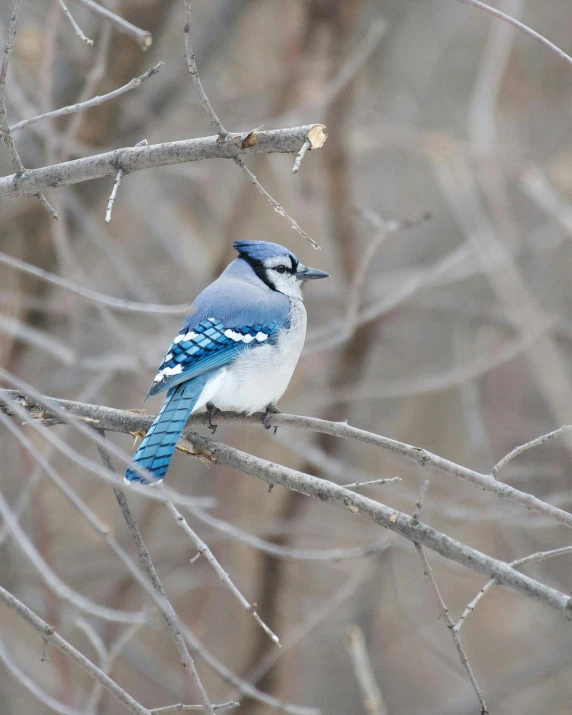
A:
280	269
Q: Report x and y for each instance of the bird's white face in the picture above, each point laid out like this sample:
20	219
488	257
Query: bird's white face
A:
282	274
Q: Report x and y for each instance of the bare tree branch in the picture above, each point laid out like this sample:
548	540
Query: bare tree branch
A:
104	531
128	422
283	141
143	38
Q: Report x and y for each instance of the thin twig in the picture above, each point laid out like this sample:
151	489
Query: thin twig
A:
371	483
518	563
223	134
169	612
4	125
519	25
301	154
529	445
116	185
194	72
49	635
443	610
275	205
95	75
204	550
76	27
181	708
444	613
143	38
371	694
93	102
420	501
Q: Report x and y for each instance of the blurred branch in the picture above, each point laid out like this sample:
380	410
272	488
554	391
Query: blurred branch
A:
519	25
283	141
49	635
537	186
7	657
286	552
94	102
316	617
93	295
4	126
365	675
64	592
76	27
185	708
143	38
128	422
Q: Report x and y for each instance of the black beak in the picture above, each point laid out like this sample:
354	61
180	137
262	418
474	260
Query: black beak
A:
309	274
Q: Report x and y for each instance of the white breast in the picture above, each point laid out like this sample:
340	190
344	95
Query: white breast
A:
261	374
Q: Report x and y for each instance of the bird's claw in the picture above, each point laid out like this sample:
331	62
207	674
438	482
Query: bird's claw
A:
212	411
270	410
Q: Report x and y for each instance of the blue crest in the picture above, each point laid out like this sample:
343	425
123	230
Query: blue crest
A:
261	250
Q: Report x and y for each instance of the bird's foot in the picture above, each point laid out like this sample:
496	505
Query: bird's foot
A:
212	411
270	410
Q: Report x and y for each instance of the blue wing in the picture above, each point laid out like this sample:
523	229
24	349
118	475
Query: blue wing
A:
206	346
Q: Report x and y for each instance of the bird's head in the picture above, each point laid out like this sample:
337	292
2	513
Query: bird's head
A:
277	267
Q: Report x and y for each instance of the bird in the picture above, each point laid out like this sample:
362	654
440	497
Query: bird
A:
237	351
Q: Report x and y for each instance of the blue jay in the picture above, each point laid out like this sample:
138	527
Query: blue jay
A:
237	351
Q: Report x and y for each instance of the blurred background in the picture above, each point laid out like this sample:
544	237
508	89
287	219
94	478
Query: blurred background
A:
451	333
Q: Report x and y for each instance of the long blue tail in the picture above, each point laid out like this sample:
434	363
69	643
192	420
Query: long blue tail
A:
156	450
